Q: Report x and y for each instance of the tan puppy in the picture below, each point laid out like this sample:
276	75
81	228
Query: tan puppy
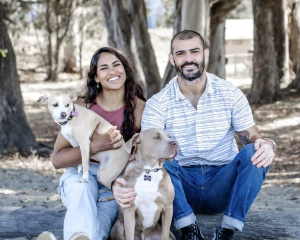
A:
77	126
153	186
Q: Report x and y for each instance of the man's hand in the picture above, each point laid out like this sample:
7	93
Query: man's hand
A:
123	195
105	141
264	154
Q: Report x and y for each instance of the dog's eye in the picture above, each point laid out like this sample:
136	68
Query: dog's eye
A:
156	137
55	105
67	105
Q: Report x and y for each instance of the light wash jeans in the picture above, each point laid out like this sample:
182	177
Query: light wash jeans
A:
230	189
84	213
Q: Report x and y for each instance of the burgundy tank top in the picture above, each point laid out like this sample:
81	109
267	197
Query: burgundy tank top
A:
115	117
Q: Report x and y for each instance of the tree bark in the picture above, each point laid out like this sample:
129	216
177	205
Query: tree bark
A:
138	16
216	63
218	12
118	25
15	133
190	15
295	43
61	29
265	84
280	23
49	43
170	71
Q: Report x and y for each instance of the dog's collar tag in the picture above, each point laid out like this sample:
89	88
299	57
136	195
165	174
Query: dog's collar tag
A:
74	113
147	178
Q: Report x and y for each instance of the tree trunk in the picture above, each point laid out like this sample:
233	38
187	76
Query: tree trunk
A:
295	43
61	29
170	69
265	84
280	24
293	36
218	12
49	43
216	63
69	52
138	16
15	133
118	25
190	15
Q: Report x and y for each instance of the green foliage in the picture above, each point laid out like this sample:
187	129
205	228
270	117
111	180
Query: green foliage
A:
3	52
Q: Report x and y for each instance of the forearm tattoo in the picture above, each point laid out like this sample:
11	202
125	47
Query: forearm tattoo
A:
245	137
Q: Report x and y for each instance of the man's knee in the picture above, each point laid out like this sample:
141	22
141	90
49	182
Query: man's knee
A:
171	166
248	151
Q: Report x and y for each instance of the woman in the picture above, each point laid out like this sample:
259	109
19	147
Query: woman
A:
113	94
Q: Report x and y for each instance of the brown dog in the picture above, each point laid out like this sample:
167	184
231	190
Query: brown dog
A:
153	186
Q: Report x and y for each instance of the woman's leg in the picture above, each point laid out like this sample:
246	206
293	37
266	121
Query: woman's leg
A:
107	213
80	200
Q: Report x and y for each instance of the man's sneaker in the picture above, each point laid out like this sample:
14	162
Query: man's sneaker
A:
80	236
192	232
46	236
223	234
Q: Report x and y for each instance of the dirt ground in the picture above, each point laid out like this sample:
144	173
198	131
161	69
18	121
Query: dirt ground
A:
32	182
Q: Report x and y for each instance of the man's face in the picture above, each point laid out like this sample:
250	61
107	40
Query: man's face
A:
188	58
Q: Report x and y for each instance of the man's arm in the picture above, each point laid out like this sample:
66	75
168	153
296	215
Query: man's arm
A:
264	148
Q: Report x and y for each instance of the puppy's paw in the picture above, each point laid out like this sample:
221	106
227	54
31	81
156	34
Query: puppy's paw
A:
84	180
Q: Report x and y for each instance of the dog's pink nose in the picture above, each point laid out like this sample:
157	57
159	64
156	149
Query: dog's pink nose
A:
63	114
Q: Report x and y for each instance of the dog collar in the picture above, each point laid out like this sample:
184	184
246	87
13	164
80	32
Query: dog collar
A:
73	113
152	170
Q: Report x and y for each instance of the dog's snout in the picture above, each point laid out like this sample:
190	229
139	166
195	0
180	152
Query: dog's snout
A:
173	143
63	114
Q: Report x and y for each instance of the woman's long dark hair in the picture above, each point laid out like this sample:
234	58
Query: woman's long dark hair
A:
132	89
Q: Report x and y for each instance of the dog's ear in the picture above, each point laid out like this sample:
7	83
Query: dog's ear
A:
74	96
133	142
43	100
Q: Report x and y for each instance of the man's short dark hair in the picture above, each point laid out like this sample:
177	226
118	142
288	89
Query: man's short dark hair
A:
186	35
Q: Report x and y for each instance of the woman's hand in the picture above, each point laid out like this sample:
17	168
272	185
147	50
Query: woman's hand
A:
123	195
105	141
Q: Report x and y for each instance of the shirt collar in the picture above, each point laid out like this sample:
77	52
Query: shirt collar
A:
208	88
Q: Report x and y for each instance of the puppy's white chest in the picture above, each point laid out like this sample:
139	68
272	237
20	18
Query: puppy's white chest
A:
146	188
67	132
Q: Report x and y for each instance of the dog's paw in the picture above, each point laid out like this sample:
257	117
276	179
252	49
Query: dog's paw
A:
84	180
103	199
104	191
106	199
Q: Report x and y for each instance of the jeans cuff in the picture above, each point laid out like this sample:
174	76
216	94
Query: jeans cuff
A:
229	221
185	221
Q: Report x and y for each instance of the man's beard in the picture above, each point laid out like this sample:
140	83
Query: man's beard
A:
190	76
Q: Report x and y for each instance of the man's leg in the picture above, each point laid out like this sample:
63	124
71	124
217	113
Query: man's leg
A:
233	189
183	214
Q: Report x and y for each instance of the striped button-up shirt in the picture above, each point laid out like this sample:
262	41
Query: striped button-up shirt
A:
205	135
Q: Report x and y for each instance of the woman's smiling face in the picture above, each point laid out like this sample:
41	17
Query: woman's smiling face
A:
110	72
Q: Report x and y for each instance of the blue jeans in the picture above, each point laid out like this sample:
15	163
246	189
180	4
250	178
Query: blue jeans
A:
230	189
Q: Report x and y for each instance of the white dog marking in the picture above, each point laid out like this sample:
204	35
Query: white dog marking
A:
147	192
66	131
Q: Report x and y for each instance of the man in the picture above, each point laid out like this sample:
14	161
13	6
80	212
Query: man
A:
202	113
